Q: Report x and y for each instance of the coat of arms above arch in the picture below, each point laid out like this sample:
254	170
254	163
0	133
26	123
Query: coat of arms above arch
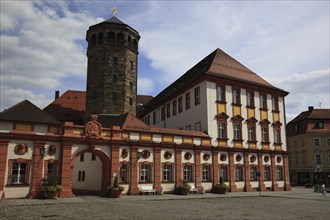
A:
93	128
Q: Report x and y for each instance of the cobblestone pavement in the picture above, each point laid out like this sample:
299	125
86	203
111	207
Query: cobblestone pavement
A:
300	203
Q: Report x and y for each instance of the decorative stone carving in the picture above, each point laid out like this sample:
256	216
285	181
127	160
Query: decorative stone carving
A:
278	159
253	159
266	159
187	156
52	150
238	158
124	153
223	157
167	155
206	157
93	128
145	154
20	149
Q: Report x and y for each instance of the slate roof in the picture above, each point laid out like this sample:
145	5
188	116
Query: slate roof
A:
25	111
218	64
68	107
114	21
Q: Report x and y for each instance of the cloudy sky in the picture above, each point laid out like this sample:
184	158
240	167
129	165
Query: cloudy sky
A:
43	46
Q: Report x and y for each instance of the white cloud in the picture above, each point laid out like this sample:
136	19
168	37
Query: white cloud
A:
145	86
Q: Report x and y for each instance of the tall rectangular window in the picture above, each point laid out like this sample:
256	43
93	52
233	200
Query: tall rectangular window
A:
279	173
145	174
114	96
162	113
154	117
253	173
51	168
264	134
187	173
174	107
251	133
318	159
277	135
328	142
263	101
180	104
81	176
198	126
267	173
197	96
224	172
275	103
124	172
82	157
18	175
316	142
114	61
93	157
250	99
168	110
238	173
221	93
206	172
222	130
236	97
167	173
237	132
187	100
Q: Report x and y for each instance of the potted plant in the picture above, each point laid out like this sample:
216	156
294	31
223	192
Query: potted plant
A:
115	190
220	188
182	189
50	187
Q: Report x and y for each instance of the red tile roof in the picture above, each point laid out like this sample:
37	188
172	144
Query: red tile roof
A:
68	107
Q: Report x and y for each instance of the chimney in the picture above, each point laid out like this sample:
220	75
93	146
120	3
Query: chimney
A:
310	108
57	94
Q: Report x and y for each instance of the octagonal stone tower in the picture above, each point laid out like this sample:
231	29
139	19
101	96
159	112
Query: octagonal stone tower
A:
112	68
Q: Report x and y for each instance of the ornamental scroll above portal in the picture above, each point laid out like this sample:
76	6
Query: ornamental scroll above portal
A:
93	128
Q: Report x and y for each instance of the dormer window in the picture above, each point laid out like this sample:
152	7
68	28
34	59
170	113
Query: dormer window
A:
296	127
320	125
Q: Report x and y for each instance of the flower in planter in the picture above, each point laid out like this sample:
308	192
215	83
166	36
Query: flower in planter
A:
182	189
115	190
50	186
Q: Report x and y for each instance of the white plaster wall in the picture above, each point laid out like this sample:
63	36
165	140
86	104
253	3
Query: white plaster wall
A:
104	149
254	184
93	173
197	141
207	186
134	136
157	138
211	112
171	160
127	159
177	139
280	183
263	159
257	116
244	115
41	129
283	121
191	160
268	184
256	161
240	185
5	127
230	129
77	148
227	158
239	162
16	192
167	187
209	161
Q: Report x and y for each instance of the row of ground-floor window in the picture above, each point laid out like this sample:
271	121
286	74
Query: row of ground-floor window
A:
24	175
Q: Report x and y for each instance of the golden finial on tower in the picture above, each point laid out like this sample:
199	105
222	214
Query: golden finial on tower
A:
114	10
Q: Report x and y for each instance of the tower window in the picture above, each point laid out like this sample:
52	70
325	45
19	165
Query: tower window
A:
130	101
114	96
120	38
114	61
114	78
100	38
131	85
93	39
131	65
